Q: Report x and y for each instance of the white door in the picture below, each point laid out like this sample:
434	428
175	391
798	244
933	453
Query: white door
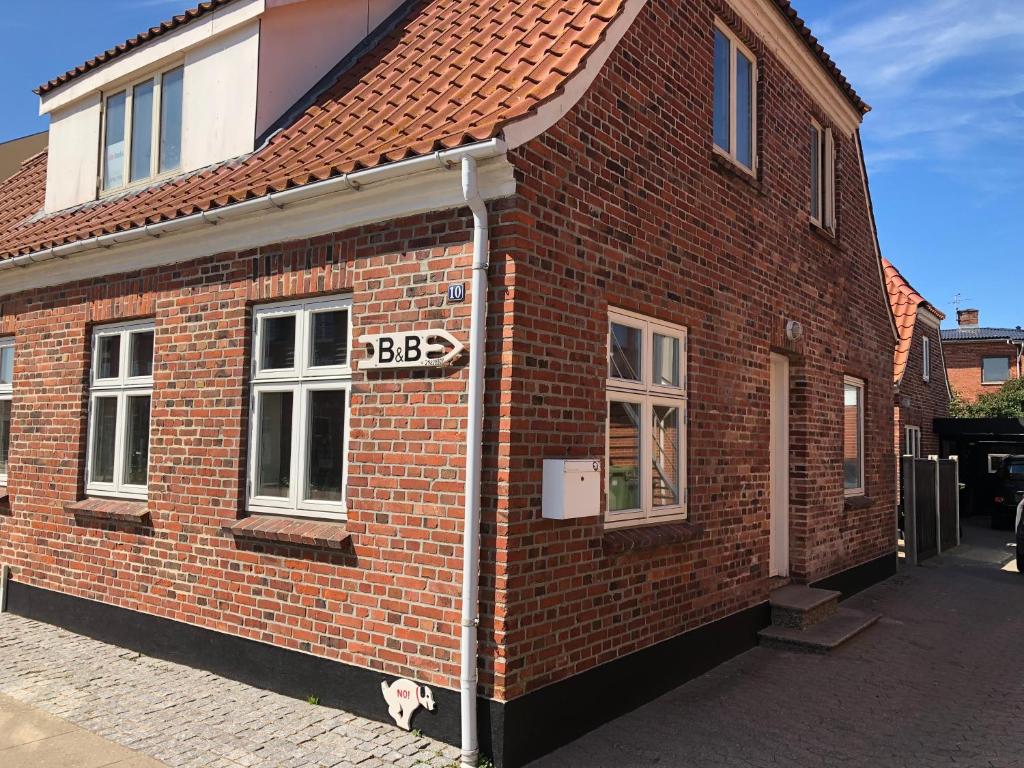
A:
779	446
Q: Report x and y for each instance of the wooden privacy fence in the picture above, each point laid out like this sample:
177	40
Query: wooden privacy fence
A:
931	506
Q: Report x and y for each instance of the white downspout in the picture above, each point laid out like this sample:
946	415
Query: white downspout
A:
474	447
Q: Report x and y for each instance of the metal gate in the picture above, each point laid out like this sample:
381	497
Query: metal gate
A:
931	506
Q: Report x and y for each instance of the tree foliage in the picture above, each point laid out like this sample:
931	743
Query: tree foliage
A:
1007	403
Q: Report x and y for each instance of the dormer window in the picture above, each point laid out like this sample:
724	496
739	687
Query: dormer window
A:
142	131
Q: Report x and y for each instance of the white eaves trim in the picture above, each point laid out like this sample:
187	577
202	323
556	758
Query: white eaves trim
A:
782	40
152	53
519	132
428	183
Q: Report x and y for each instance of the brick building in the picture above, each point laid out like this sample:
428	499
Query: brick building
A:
244	432
919	369
980	360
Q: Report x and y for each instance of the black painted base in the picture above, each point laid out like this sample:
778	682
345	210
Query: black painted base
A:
860	577
512	733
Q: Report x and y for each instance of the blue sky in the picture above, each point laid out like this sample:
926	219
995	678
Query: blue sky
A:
944	144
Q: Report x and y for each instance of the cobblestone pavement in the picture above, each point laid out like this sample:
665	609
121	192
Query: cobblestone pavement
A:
190	718
938	682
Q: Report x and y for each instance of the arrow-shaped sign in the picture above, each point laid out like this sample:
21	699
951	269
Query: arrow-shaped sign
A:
410	349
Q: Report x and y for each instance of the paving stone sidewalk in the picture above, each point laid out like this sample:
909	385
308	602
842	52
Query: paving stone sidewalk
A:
188	718
937	683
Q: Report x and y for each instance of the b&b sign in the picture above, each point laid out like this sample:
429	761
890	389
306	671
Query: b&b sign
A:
411	349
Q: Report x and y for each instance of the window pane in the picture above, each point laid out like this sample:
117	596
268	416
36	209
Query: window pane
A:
330	338
104	430
136	468
278	343
666	361
626	357
113	144
852	439
744	110
623	456
6	365
142	354
326	444
721	98
171	90
275	444
815	173
665	444
995	369
5	434
108	354
142	131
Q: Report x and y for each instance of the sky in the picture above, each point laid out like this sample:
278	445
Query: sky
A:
944	141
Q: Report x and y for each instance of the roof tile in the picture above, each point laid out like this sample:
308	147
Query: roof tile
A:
905	302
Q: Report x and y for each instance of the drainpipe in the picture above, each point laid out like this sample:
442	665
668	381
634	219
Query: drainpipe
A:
474	447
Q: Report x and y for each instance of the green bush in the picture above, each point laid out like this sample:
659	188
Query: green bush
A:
1007	403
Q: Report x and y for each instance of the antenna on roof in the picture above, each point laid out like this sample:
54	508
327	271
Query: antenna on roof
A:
958	300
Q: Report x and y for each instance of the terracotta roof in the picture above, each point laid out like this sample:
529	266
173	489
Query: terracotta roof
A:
905	303
131	43
453	72
798	24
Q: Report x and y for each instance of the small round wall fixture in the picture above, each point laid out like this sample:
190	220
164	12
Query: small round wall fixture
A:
794	330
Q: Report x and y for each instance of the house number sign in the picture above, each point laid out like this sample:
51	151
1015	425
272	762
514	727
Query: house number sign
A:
410	349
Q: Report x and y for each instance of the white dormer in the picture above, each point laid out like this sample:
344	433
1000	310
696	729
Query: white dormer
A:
195	96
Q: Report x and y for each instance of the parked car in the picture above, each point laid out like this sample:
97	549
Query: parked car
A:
1009	491
1020	537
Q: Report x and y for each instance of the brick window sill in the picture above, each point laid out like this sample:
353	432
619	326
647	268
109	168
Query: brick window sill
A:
3	496
620	541
316	534
113	510
731	168
825	235
857	502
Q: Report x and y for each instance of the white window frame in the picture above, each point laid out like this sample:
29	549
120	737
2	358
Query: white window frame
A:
926	358
301	380
993	467
737	47
912	441
120	388
860	490
7	395
154	161
995	381
825	189
646	395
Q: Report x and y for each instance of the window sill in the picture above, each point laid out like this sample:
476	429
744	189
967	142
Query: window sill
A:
857	502
113	510
316	534
4	499
732	168
619	541
827	235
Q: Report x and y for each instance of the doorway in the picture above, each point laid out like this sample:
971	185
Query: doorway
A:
779	472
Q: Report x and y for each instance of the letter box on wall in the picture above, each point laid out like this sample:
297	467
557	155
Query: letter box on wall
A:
572	488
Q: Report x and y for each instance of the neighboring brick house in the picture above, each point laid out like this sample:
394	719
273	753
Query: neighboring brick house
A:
919	371
980	360
227	446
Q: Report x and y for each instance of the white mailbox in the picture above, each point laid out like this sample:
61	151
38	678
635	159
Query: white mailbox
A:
572	488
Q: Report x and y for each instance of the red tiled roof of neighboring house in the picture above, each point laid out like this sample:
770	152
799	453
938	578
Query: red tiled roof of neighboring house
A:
132	43
905	303
452	72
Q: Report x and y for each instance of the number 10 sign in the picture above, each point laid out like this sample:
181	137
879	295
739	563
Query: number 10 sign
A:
410	349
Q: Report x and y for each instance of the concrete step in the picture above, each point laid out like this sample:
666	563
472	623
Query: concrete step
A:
845	624
800	607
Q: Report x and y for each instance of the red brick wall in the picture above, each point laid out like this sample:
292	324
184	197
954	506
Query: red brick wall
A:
392	602
626	205
963	363
920	402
